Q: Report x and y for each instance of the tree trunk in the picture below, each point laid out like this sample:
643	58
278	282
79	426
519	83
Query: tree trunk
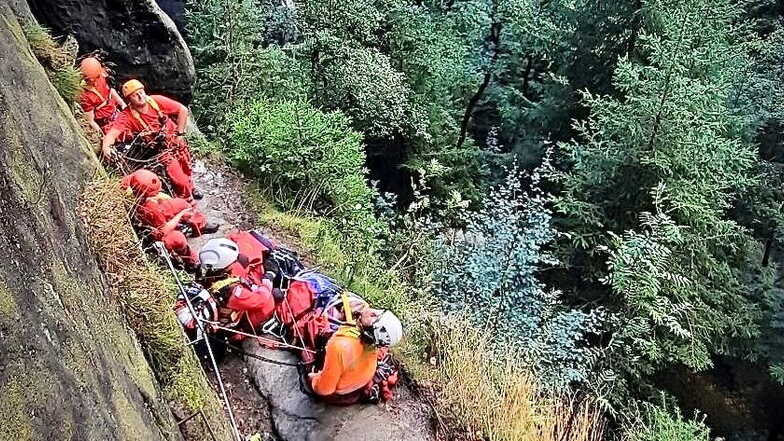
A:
495	36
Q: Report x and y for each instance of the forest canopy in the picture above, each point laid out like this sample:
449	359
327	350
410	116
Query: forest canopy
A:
597	183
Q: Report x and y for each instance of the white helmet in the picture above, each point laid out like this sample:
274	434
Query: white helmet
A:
218	254
387	329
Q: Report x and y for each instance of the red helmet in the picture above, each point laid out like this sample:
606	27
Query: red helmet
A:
143	183
91	68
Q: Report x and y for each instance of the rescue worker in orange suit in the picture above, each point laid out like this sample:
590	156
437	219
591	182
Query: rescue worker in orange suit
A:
352	354
167	217
99	102
246	301
148	115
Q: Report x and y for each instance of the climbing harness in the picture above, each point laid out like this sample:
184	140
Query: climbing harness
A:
162	250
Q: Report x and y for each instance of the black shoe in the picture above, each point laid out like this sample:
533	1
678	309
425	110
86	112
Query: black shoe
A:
196	194
210	228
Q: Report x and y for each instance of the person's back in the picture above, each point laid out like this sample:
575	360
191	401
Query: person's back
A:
349	365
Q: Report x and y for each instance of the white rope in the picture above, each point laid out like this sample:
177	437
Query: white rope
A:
166	257
217	325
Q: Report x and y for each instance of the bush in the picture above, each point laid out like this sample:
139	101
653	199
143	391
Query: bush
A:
489	272
663	423
363	84
314	155
232	65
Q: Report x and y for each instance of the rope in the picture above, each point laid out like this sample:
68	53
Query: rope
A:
217	325
218	377
256	356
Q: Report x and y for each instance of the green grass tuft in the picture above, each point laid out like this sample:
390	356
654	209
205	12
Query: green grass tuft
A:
56	60
320	238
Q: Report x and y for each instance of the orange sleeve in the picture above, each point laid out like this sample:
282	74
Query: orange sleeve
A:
167	105
326	381
86	103
123	123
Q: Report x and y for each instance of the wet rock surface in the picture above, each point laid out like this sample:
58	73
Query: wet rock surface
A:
137	36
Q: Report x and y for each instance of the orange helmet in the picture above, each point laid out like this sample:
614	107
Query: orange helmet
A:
131	86
91	68
143	183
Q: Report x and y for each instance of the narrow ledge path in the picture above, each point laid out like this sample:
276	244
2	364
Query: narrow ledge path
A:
266	397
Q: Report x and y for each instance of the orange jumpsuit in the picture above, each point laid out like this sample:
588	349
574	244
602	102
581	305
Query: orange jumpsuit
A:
96	99
156	211
349	366
178	160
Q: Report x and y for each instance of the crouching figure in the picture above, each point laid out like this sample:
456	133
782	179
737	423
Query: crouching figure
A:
353	355
167	219
244	294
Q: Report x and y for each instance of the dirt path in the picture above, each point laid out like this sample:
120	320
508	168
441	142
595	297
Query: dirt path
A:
224	203
264	396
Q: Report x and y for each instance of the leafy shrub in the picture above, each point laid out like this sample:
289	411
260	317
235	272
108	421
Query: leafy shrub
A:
662	423
362	83
489	271
306	151
231	67
358	20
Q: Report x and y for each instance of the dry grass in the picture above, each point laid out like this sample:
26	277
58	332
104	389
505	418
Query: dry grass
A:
57	60
478	396
146	294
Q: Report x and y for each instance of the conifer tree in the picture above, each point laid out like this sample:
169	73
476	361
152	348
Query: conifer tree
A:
650	183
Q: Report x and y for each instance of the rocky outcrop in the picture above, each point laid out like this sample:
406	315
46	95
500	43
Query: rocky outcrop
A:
175	9
297	417
69	367
136	34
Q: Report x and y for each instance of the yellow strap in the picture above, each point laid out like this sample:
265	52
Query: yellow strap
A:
138	115
347	308
220	284
348	331
95	91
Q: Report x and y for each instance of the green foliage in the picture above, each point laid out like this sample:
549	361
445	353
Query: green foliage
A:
360	20
489	272
231	67
364	85
665	423
651	182
57	61
300	148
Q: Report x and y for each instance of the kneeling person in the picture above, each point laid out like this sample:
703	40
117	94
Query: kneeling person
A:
246	302
352	355
166	217
148	115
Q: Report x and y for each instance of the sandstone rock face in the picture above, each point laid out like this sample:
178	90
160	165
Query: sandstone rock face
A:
297	417
136	34
69	367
